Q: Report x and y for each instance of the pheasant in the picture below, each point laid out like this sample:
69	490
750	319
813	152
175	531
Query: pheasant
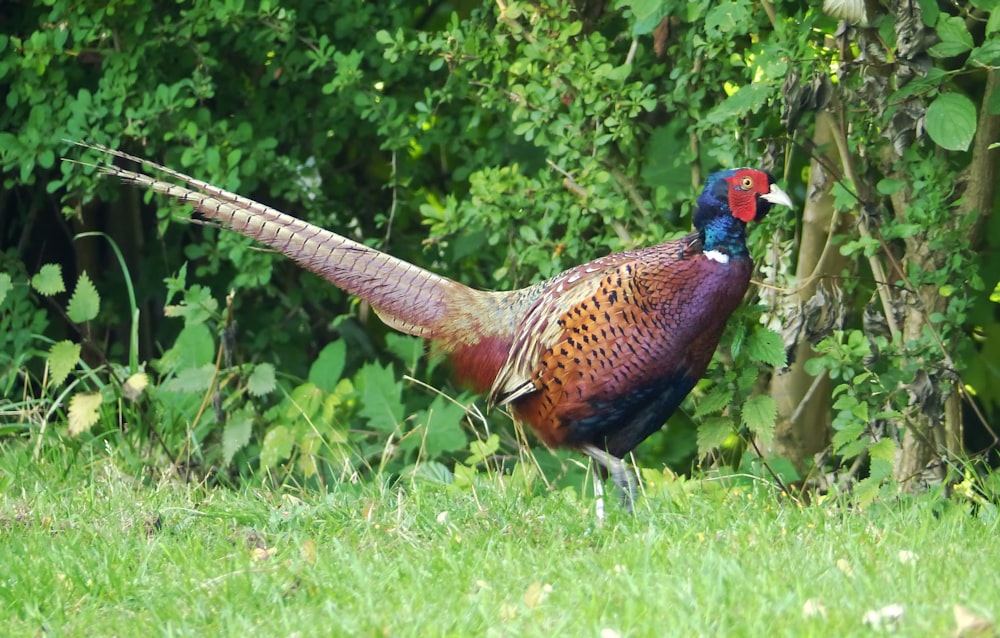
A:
596	358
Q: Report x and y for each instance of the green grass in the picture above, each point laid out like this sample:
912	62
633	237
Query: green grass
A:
88	551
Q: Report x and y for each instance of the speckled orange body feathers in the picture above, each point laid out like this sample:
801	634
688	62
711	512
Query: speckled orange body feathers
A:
596	358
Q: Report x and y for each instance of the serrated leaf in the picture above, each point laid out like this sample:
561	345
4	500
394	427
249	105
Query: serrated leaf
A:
765	345
236	435
951	121
262	380
193	347
408	349
135	385
85	302
309	447
713	433
304	402
6	285
63	357
759	414
49	280
84	411
277	446
380	397
329	365
482	450
191	379
443	420
718	398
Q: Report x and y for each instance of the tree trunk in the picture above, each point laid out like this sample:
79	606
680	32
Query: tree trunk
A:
803	401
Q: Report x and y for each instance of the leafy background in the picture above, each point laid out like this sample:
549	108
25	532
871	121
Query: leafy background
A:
499	143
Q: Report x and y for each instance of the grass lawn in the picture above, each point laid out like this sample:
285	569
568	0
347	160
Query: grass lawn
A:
88	551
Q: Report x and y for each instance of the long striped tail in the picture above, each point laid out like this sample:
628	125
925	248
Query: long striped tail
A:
408	298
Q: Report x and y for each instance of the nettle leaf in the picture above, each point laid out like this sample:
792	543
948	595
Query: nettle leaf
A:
718	398
408	349
329	365
135	385
63	357
482	450
277	446
49	280
193	347
6	285
84	411
765	345
85	302
237	434
380	397
713	434
191	379
759	415
951	121
444	427
262	380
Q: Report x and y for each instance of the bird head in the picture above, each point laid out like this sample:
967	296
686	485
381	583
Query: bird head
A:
745	193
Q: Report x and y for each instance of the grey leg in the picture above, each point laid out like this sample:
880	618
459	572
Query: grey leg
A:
619	474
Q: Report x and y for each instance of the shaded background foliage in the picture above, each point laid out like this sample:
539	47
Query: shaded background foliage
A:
500	143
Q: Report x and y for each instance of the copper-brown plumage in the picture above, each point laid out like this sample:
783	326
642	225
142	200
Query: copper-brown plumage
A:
595	358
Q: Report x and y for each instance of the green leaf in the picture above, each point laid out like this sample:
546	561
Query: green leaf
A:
727	18
718	398
85	302
408	349
929	11
482	450
277	446
443	420
261	380
49	280
647	15
6	286
759	414
951	121
988	54
329	365
765	345
237	434
305	402
955	38
380	397
194	347
883	456
713	433
63	357
748	99
191	379
889	186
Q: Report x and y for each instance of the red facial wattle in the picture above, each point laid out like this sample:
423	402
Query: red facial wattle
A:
744	187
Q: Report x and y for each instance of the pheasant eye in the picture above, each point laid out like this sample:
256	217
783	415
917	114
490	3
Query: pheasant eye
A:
746	183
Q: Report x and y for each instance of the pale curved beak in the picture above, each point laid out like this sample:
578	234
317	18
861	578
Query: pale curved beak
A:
778	196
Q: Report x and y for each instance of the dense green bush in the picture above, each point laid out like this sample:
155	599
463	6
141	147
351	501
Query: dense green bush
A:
498	144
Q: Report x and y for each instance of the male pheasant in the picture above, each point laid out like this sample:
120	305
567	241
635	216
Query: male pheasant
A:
596	358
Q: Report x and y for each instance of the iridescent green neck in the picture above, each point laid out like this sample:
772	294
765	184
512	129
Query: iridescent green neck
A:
725	234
